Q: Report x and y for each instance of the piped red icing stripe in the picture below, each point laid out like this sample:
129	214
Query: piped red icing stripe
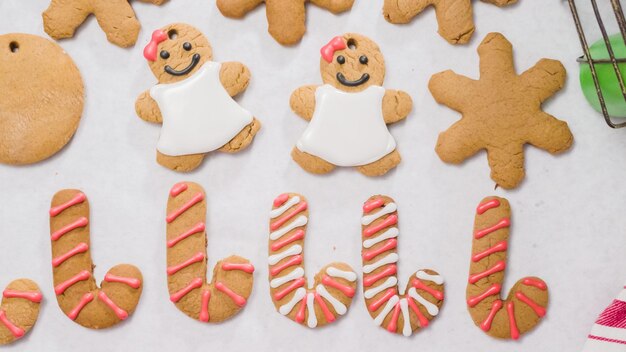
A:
80	248
389	244
294	260
198	257
382	300
535	283
119	312
298	235
371	230
421	286
34	297
80	222
492	290
503	223
490	204
284	292
369	280
130	281
420	317
499	266
245	267
204	307
281	199
328	315
197	228
346	290
81	276
240	301
498	247
199	197
393	323
178	189
15	330
495	307
87	297
301	310
302	206
539	310
510	309
177	296
373	204
77	199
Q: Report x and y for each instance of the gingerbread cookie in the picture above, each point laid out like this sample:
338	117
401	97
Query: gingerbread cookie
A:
398	310
501	111
19	309
527	300
286	18
115	17
193	99
334	285
77	293
42	98
455	18
349	113
232	281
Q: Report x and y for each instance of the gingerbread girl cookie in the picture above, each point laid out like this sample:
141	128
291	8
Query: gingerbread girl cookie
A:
349	113
193	99
19	309
501	111
115	17
286	18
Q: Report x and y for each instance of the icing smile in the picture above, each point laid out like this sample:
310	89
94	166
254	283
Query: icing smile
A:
194	61
343	80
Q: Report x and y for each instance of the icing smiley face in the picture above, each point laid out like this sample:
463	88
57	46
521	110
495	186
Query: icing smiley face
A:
352	63
176	52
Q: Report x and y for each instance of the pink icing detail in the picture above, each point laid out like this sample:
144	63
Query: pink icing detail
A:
498	247
204	308
499	266
328	50
614	315
284	292
382	300
177	296
539	310
328	315
492	290
240	301
198	257
130	281
199	227
393	324
505	222
281	199
78	198
121	314
420	317
178	212
301	309
15	331
87	297
390	220
150	51
82	276
295	260
81	222
372	204
371	279
80	248
178	189
246	267
390	244
510	309
490	204
495	307
599	338
34	297
302	206
346	290
421	286
298	235
535	283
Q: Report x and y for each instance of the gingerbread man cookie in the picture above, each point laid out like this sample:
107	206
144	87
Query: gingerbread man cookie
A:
19	310
399	310
334	286
286	18
193	99
455	17
501	111
77	293
115	17
349	114
42	98
527	300
231	286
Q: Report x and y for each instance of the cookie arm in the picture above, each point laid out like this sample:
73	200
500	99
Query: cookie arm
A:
302	101
550	133
235	77
396	105
403	11
237	8
147	108
334	6
451	89
545	78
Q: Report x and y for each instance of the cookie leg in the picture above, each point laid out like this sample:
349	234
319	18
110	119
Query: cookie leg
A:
117	19
403	11
60	20
311	163
456	22
507	165
382	166
19	309
550	134
286	20
334	6
243	139
237	8
458	143
184	163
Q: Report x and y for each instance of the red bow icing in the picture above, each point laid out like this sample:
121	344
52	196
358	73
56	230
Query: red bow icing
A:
150	51
328	50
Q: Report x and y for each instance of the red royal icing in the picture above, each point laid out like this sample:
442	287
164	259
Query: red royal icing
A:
298	235
281	199
240	301
284	292
393	324
78	198
204	308
490	204
495	307
150	51
420	316
382	300
198	257
389	244
294	260
421	286
498	247
178	189
505	222
372	204
390	220
535	283
247	268
492	290
130	281
15	331
328	315
82	276
178	212
81	222
539	310
499	266
178	295
199	227
87	297
302	206
300	314
119	312
80	248
371	279
510	309
328	50
34	297
346	290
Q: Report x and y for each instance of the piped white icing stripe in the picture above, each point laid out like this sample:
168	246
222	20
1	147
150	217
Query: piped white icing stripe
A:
390	282
347	275
295	274
390	233
299	221
293	250
388	259
422	275
388	307
297	297
340	308
431	308
404	307
388	209
282	209
312	319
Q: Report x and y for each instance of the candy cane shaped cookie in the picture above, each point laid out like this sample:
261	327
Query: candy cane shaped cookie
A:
528	299
77	293
400	312
19	310
186	243
334	285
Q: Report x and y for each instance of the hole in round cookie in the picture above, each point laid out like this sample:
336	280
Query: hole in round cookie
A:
14	47
352	44
172	34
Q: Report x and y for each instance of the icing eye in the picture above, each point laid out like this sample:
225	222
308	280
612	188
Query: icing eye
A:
341	60
164	54
187	46
363	59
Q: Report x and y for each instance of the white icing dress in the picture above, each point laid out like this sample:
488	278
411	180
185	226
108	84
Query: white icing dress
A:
348	129
199	115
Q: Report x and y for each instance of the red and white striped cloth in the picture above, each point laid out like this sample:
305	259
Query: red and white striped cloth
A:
609	332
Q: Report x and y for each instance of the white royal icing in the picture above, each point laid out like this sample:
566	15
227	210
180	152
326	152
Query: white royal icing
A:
406	318
312	319
347	275
388	307
390	233
348	129
299	221
293	250
293	275
388	209
339	307
283	208
422	275
388	259
390	282
297	297
430	307
199	115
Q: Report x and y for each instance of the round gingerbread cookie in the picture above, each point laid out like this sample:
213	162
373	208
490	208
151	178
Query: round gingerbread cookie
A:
42	98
